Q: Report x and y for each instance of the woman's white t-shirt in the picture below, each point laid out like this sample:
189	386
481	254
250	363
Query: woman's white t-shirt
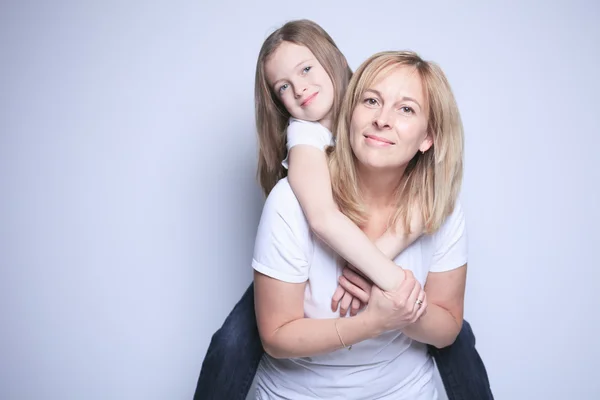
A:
391	366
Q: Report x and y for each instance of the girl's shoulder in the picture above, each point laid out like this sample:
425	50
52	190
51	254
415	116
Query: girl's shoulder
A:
300	128
295	123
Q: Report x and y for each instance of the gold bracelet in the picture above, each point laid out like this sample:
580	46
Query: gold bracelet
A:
340	336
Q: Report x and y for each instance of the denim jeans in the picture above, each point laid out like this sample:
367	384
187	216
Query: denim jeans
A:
235	351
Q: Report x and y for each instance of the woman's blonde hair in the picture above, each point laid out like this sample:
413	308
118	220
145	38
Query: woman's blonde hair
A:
271	116
432	179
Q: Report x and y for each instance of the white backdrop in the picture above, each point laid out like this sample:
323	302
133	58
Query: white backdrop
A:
128	203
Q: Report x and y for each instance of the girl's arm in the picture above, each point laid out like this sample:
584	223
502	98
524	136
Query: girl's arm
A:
392	243
309	178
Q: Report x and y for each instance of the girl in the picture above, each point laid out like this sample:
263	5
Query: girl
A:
301	77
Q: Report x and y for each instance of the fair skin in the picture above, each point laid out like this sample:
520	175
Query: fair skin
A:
301	83
389	125
306	90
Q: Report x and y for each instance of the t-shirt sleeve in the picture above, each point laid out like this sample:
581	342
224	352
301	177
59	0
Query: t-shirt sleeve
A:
450	243
307	133
279	249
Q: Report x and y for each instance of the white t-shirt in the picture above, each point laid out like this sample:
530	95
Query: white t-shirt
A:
306	132
391	366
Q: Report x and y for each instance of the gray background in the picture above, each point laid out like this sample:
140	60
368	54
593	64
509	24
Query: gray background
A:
128	201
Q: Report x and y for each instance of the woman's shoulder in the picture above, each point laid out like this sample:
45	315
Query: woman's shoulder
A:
283	244
281	193
282	200
457	213
450	241
454	223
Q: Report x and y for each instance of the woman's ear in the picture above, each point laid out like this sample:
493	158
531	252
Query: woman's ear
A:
426	144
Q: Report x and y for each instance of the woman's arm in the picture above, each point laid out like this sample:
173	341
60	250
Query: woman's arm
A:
444	288
284	331
309	178
442	322
445	285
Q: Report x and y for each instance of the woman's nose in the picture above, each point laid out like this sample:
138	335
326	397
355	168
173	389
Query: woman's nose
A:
382	120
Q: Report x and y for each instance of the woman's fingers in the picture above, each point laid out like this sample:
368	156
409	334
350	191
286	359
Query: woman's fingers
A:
418	304
411	303
422	307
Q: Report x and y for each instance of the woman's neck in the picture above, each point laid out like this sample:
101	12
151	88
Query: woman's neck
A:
378	188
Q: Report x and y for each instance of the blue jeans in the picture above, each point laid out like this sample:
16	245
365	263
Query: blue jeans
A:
235	351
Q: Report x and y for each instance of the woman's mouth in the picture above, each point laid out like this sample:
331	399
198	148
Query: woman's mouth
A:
378	140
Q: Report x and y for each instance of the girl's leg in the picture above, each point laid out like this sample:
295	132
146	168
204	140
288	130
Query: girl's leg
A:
462	369
232	356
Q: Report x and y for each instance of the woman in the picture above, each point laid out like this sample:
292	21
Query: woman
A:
399	141
399	148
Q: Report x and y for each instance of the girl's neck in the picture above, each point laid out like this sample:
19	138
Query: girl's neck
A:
326	121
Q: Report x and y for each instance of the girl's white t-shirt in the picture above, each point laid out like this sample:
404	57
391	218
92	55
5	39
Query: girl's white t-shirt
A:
306	132
391	366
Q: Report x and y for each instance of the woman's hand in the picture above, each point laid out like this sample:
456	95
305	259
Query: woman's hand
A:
395	310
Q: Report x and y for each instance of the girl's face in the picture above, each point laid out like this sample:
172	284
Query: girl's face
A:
301	83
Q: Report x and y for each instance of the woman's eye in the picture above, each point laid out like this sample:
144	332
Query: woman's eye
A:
283	87
305	70
371	101
407	110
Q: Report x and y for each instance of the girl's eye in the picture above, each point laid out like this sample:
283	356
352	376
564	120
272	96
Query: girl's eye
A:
371	101
305	70
283	87
407	110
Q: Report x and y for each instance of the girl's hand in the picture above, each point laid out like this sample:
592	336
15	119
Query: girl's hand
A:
358	286
345	301
352	292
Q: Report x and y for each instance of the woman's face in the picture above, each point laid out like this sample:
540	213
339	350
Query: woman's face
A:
389	122
300	82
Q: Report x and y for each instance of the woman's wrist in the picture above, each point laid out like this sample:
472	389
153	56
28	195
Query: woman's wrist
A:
352	330
371	325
